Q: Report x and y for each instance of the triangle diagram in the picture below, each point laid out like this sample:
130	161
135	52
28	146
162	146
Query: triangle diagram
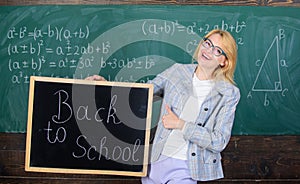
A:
268	77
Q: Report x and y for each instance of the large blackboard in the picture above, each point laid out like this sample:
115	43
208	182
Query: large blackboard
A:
77	126
135	43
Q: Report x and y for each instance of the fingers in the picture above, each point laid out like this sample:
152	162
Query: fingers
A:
167	115
171	121
95	78
168	109
168	118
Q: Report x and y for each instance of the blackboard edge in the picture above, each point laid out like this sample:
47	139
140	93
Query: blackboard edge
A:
148	129
85	171
29	123
88	82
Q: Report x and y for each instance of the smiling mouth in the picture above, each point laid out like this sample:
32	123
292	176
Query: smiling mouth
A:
205	56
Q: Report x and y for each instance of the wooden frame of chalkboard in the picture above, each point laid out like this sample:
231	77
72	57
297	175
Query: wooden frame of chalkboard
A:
88	127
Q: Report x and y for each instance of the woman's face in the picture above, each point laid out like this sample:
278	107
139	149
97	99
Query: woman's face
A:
206	57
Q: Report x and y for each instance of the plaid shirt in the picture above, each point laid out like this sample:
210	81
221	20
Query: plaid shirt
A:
210	134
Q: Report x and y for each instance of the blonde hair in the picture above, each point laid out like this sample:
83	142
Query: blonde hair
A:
227	71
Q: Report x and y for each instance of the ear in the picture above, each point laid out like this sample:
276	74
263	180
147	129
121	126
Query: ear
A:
222	64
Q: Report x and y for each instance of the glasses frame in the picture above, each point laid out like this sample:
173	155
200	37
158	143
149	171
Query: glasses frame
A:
213	47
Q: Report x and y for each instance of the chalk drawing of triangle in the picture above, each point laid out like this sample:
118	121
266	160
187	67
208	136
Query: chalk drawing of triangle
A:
268	77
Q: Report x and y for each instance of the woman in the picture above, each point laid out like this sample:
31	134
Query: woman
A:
197	114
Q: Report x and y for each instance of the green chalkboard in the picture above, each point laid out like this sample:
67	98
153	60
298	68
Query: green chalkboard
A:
134	43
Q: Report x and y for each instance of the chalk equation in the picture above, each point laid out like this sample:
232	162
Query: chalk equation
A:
171	27
58	51
56	32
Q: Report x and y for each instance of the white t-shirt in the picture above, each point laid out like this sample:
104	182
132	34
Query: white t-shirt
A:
176	146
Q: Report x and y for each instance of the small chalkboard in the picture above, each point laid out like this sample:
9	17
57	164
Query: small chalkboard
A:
88	127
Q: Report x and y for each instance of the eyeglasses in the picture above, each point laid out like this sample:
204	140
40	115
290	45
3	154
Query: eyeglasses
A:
217	51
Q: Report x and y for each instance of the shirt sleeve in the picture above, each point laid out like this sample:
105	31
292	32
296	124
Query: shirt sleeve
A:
159	82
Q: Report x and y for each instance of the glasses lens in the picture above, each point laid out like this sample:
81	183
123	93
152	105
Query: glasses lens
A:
217	51
207	44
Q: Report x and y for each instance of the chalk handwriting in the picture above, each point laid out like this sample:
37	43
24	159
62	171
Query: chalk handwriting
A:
115	153
30	50
65	112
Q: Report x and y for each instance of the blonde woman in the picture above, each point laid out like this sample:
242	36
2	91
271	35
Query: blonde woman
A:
199	103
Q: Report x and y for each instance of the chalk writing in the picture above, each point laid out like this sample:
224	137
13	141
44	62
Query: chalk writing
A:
65	112
116	153
58	134
31	50
171	27
58	33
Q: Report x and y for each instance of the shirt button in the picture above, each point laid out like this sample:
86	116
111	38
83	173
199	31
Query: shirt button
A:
214	161
193	154
205	109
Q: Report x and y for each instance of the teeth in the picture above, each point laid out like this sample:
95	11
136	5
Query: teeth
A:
205	56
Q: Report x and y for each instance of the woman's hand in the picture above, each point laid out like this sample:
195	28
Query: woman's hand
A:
171	120
95	78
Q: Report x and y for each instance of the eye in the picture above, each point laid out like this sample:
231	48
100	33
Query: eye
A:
217	51
207	44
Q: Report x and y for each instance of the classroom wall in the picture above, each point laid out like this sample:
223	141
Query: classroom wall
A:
247	159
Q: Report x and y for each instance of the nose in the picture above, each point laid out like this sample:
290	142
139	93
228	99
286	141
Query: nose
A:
209	50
